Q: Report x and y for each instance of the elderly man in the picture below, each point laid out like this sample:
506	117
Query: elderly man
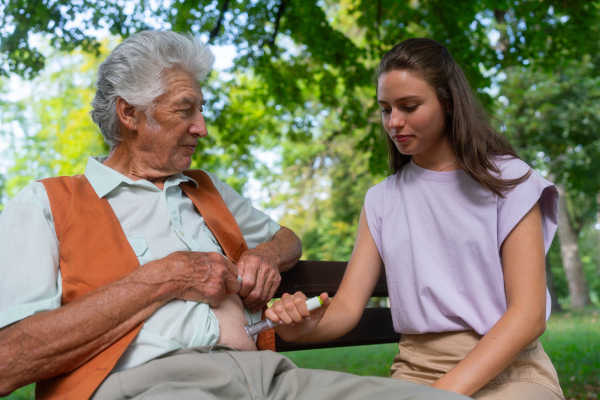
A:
123	282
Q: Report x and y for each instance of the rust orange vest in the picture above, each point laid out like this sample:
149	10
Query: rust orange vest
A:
94	251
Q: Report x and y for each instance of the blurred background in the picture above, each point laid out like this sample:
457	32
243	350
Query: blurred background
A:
293	121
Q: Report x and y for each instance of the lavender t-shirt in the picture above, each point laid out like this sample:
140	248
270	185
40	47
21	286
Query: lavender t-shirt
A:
439	235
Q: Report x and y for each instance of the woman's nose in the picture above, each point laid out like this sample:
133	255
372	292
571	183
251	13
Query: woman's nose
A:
397	119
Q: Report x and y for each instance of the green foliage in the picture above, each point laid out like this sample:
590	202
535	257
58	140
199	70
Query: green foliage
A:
553	120
58	134
302	84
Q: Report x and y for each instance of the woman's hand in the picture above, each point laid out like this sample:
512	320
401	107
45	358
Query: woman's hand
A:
294	319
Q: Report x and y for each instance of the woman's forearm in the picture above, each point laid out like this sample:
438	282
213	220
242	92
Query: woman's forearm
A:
513	332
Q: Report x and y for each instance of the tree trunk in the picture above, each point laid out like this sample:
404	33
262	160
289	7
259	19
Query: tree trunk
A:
551	288
598	226
569	249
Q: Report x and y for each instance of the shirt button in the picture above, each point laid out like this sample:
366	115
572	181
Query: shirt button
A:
181	233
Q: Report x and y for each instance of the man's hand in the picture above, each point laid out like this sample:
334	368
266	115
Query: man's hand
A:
199	276
260	267
260	277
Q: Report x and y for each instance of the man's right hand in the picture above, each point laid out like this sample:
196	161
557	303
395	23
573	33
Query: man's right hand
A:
205	277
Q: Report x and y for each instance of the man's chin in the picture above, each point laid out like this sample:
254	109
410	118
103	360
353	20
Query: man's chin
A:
184	163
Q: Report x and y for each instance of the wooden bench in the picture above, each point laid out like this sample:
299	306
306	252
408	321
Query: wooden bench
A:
315	277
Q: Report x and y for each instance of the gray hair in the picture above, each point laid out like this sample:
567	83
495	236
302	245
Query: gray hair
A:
135	71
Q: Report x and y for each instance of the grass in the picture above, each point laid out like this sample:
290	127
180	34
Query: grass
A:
572	340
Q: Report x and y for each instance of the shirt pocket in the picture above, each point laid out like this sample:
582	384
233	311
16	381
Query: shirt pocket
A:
140	248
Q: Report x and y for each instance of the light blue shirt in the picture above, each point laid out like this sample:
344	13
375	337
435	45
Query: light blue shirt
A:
156	223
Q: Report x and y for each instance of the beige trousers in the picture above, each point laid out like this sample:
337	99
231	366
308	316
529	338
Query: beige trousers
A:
218	372
425	358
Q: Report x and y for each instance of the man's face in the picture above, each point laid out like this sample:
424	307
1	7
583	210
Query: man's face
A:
166	144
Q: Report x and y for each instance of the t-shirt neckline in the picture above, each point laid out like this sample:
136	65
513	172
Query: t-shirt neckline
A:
436	175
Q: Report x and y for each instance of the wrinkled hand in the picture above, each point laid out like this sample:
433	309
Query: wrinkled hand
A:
205	277
296	322
260	277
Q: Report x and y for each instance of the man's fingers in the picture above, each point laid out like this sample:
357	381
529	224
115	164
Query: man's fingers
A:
248	277
256	291
232	284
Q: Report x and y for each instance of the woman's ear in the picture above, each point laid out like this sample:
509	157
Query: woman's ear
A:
128	114
449	109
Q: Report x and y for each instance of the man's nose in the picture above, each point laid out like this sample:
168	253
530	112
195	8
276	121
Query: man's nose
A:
198	127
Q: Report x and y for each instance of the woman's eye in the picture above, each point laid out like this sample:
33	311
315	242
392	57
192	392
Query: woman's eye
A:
410	108
385	110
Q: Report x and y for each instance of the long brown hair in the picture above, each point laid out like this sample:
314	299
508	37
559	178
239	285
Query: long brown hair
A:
474	140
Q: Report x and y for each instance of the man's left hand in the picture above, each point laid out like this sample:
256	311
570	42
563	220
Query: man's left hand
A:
260	277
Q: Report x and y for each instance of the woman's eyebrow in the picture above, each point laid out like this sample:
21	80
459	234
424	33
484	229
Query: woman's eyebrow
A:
409	97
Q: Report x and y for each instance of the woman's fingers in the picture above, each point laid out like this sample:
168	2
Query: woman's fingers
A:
290	309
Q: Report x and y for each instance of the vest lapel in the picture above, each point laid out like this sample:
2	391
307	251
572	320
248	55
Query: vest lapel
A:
217	216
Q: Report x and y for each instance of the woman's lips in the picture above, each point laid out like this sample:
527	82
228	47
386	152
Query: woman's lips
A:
402	138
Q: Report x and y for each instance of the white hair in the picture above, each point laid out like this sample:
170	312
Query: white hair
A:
135	71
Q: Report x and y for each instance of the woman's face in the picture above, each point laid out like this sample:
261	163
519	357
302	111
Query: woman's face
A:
414	118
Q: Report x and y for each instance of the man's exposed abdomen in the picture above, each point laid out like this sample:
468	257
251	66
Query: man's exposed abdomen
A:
232	321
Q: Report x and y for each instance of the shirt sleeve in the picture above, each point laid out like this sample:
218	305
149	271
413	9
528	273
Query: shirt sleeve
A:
516	203
29	265
373	211
256	226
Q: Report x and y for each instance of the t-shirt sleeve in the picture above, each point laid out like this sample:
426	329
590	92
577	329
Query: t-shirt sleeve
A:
516	203
30	279
256	226
373	211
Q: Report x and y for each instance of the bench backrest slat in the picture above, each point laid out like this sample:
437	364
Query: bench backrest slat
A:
315	277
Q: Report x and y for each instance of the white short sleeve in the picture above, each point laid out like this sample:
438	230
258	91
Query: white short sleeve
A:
29	265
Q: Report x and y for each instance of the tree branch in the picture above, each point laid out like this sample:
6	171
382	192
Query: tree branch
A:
379	12
280	10
215	31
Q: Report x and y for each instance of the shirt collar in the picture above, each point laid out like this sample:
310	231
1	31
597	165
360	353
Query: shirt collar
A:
105	179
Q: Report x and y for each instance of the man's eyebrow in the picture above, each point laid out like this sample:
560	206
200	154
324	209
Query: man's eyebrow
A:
192	101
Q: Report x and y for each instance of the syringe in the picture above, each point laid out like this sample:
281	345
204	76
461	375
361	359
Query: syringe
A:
265	324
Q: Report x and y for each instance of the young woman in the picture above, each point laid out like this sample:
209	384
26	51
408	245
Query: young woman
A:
462	227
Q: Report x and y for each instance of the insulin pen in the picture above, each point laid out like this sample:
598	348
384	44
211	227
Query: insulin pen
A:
265	324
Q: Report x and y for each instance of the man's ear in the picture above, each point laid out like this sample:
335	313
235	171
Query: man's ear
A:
128	114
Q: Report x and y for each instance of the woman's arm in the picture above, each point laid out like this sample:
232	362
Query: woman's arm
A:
343	313
525	318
